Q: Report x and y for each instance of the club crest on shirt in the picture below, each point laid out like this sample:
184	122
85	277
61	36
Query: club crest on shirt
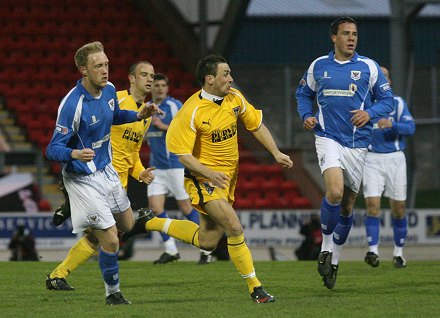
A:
302	82
236	110
111	104
209	188
93	218
355	75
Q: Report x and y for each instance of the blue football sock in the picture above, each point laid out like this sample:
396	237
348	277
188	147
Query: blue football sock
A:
108	263
193	216
400	229
372	230
164	215
342	229
329	216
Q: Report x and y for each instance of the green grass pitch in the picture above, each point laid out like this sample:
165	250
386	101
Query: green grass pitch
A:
184	289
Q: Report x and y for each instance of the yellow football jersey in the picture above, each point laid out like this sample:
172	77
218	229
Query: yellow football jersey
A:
208	130
127	141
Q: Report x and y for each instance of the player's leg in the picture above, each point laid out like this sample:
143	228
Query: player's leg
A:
86	247
372	229
156	203
108	263
400	231
223	214
396	191
193	215
330	213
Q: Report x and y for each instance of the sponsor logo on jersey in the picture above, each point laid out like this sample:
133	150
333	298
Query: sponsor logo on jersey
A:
338	92
206	122
385	87
236	110
355	75
99	143
221	135
111	104
352	87
131	135
61	129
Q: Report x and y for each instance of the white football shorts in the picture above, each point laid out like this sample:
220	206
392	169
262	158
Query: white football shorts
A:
351	160
385	173
94	197
168	182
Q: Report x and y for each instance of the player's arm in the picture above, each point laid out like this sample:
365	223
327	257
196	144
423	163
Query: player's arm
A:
304	98
406	125
263	135
383	96
217	179
57	149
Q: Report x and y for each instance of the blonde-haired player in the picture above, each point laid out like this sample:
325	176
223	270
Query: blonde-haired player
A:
126	141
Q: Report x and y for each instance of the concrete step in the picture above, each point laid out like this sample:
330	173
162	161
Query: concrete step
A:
22	146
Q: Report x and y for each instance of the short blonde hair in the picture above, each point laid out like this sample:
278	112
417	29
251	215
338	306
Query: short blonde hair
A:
82	54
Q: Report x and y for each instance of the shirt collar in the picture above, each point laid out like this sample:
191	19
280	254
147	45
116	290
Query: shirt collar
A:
212	98
83	90
354	58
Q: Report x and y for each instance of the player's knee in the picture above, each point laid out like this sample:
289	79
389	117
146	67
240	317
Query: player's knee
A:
92	239
334	196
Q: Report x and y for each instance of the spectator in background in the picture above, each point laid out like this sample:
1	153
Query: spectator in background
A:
22	245
385	173
311	246
351	90
169	171
81	141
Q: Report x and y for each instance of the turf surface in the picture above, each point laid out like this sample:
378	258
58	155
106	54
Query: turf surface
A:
184	289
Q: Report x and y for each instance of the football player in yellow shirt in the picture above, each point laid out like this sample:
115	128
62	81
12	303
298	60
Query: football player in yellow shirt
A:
204	136
126	142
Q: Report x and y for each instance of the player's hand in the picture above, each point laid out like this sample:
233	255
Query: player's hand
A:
83	155
218	179
158	123
147	176
149	110
384	123
284	160
360	118
310	123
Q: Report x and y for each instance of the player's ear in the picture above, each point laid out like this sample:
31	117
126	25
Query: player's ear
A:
209	79
131	79
83	70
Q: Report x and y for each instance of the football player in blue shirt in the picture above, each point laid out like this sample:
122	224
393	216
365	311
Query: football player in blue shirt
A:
385	173
81	141
350	91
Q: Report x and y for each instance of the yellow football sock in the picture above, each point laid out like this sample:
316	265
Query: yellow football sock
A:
183	230
78	254
242	259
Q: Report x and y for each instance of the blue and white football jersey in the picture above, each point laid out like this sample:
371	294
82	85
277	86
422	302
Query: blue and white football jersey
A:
84	122
160	157
393	139
340	87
